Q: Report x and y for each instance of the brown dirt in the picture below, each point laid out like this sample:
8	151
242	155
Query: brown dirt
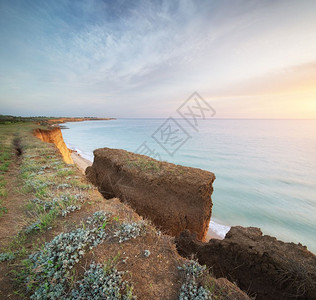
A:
262	265
173	197
11	222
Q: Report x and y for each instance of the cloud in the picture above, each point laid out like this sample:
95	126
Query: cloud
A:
122	54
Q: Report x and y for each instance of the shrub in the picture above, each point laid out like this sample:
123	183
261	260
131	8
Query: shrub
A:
6	256
50	267
191	289
102	283
127	231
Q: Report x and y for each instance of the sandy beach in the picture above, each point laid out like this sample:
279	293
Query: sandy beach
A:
80	162
212	235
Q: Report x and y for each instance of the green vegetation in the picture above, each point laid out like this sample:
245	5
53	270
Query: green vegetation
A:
144	164
7	256
5	161
49	271
54	191
192	287
103	282
52	183
42	178
3	209
8	120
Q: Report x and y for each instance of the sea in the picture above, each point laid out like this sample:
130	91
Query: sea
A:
265	169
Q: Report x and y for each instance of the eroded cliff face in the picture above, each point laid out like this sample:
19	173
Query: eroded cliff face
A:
259	264
173	197
55	136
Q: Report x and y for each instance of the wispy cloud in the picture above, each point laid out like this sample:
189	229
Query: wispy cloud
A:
115	56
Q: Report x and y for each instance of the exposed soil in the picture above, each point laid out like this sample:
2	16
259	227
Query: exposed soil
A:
17	146
173	197
12	221
54	136
264	266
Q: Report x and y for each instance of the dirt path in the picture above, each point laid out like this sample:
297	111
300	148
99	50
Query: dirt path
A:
10	225
11	222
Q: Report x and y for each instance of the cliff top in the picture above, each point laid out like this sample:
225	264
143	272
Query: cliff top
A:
145	165
58	234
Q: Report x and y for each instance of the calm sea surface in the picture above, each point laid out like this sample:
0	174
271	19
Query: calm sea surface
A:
265	169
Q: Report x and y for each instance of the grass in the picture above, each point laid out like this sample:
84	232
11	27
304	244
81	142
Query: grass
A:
4	167
78	184
47	219
5	161
5	156
52	183
17	244
41	172
65	172
3	193
144	164
3	182
3	209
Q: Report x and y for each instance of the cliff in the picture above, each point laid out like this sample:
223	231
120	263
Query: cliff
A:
80	245
173	197
177	200
55	136
259	264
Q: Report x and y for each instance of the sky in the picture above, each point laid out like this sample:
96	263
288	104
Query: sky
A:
106	58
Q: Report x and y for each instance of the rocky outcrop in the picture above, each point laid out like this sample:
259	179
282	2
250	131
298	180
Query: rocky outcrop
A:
259	264
55	136
173	197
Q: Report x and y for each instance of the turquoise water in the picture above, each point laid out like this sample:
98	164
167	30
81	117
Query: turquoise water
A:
265	169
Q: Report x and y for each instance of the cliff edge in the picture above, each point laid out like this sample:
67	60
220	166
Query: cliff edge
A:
173	197
55	136
260	264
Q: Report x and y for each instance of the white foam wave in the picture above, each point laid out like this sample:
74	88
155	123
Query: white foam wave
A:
84	154
219	229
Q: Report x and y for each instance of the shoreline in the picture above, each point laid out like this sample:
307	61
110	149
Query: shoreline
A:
81	162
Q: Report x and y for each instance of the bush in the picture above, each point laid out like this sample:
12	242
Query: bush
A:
191	289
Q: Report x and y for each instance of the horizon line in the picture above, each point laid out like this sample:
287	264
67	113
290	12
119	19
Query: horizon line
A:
103	117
